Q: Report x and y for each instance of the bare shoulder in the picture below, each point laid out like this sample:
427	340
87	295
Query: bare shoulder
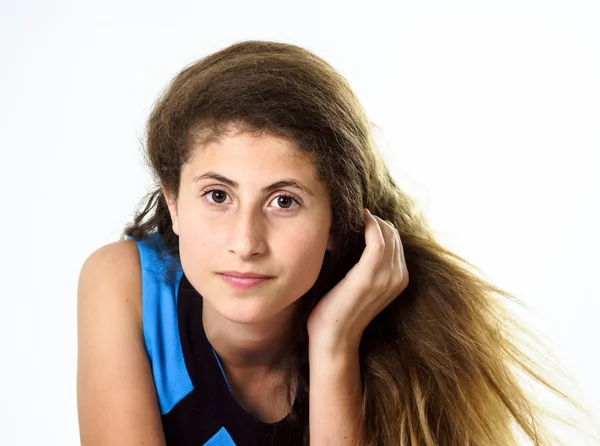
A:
117	265
116	397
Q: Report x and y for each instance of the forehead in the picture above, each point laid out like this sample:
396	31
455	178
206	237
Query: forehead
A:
244	151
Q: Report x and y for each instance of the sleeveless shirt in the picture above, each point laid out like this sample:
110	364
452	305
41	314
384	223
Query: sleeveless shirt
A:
196	404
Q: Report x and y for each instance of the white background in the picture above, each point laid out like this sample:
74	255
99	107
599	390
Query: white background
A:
490	112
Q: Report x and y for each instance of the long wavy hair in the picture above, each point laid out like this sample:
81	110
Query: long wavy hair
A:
441	365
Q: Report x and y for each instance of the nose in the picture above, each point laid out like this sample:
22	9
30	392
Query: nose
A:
247	234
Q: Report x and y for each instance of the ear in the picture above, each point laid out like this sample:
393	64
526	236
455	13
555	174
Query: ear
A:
172	205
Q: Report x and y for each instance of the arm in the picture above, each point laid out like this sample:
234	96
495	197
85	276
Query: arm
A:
335	397
335	328
116	399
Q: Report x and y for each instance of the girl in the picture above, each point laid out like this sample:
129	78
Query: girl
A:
279	288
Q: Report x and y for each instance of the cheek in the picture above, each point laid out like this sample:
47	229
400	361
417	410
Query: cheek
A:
302	254
302	264
198	244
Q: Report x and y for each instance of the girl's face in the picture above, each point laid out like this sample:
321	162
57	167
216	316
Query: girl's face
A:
251	204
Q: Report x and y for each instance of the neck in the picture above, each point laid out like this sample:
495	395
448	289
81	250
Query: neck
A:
248	347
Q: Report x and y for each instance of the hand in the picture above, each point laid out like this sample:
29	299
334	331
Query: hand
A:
341	316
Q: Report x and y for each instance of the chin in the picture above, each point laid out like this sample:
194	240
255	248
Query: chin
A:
246	310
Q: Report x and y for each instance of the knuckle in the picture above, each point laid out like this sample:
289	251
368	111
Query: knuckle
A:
380	286
405	278
380	246
401	279
363	287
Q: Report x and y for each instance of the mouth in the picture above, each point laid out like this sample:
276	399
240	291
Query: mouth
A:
244	282
245	275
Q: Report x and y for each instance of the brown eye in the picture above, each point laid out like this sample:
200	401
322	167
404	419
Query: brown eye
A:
285	201
217	195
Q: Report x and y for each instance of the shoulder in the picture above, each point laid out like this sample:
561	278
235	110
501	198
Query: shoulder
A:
115	267
121	253
114	256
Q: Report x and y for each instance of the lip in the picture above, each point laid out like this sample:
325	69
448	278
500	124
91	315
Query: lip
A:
248	275
244	283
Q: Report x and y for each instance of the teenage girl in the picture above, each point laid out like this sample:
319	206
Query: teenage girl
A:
279	288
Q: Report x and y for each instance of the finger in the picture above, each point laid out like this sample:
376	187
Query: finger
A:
389	235
397	257
374	244
404	266
401	259
399	267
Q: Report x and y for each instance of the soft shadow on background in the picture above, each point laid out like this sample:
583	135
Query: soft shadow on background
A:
488	111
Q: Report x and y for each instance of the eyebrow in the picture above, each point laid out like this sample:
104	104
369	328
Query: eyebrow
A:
285	182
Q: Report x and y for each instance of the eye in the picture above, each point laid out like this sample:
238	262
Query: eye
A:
215	193
285	201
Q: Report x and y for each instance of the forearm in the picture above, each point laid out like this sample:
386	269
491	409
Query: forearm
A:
335	398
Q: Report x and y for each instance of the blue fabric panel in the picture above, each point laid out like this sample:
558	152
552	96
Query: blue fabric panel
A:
221	438
160	324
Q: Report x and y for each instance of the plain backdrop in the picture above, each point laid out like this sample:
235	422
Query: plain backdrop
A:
489	114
